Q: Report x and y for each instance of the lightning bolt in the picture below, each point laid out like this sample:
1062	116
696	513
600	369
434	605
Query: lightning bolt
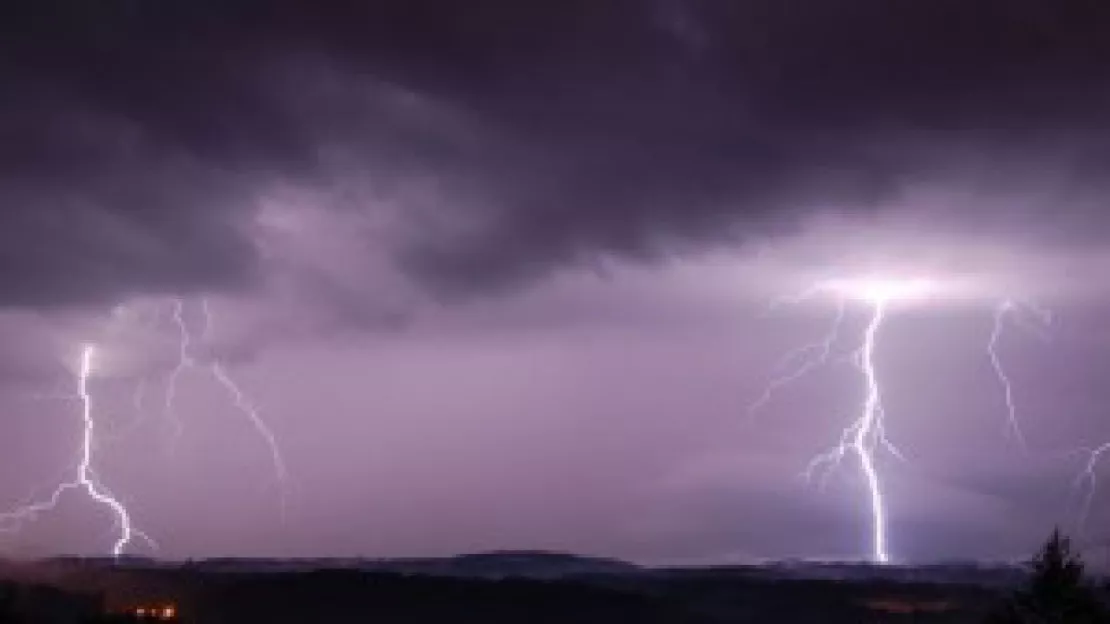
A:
1037	321
85	477
1000	372
246	407
869	430
807	358
242	402
1033	319
865	435
184	362
1087	482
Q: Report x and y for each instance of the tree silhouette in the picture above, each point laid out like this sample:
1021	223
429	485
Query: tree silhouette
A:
1056	592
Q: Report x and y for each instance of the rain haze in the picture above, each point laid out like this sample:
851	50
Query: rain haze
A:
420	277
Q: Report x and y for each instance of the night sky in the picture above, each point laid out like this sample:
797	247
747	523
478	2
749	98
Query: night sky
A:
497	274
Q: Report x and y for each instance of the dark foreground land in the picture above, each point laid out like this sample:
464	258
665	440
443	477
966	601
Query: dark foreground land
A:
494	589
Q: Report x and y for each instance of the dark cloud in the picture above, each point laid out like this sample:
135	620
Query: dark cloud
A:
137	136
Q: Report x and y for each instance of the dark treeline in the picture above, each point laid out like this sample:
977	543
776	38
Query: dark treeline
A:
1056	591
347	595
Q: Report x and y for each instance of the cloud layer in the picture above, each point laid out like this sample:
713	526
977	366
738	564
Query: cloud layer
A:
508	138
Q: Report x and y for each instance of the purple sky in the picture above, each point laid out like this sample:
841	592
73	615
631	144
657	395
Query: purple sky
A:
498	276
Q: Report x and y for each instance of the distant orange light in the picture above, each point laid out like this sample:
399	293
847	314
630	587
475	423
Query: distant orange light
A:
165	612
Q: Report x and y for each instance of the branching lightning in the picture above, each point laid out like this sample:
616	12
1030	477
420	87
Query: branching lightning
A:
800	361
1032	319
184	361
868	430
1037	321
187	361
85	478
866	433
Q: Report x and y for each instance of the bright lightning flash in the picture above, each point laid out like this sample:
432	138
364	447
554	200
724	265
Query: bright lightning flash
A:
85	477
866	432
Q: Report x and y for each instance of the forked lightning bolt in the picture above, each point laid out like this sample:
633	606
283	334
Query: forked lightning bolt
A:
1031	318
216	370
184	361
869	431
865	434
85	478
1038	320
801	361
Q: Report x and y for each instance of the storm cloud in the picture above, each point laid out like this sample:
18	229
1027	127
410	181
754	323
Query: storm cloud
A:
507	138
